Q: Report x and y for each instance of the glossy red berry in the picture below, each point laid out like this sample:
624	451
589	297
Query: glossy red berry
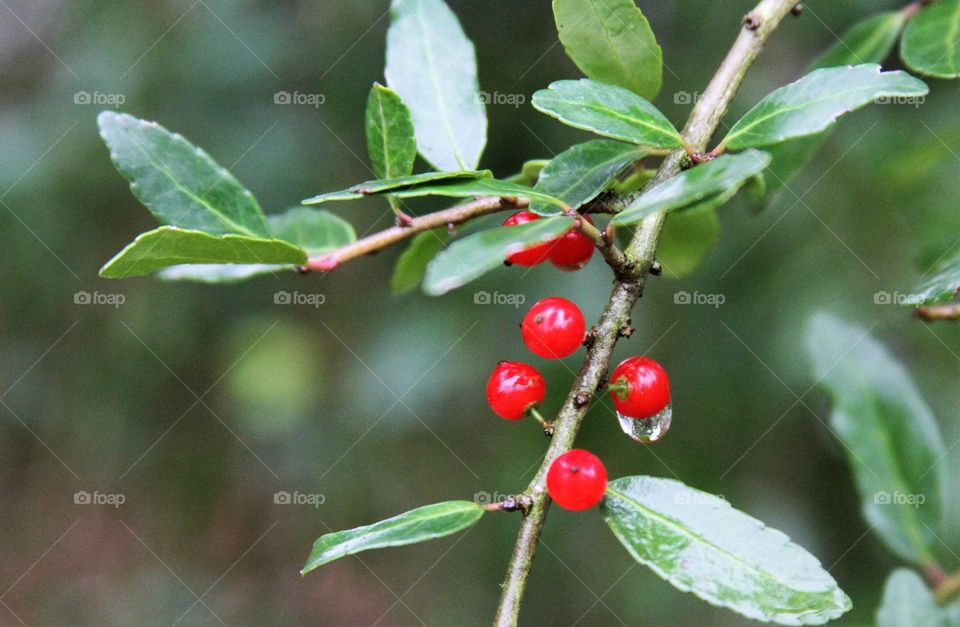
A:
513	388
643	389
531	256
554	328
577	480
572	251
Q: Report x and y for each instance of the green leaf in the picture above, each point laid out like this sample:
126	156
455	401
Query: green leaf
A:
869	41
814	103
941	286
908	603
726	173
178	182
171	246
609	111
700	544
530	172
385	186
611	42
313	230
786	161
475	255
419	525
412	264
893	443
581	173
433	66
479	187
390	135
686	239
931	43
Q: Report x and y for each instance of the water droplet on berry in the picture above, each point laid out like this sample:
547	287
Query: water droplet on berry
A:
647	430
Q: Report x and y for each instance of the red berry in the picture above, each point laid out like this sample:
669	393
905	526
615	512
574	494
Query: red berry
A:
513	388
647	388
572	251
554	328
577	480
531	256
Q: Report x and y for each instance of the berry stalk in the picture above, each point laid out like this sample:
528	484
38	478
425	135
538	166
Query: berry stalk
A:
641	257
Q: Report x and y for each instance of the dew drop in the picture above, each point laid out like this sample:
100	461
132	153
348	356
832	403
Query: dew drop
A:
647	430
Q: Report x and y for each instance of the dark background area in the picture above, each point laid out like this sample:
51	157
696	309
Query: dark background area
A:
377	402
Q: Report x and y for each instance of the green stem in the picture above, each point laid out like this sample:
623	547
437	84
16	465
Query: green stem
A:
615	319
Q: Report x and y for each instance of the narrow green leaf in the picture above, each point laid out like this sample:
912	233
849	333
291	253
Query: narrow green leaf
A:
433	66
869	41
178	182
726	173
612	42
395	184
473	256
581	173
893	442
530	172
609	111
941	286
907	602
931	43
219	273
313	230
686	239
700	544
814	103
419	525
479	187
412	265
172	246
390	135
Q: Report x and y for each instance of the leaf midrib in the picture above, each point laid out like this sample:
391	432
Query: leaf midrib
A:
599	108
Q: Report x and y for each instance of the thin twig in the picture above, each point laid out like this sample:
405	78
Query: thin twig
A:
641	256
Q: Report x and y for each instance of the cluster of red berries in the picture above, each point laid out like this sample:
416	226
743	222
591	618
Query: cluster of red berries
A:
553	329
569	252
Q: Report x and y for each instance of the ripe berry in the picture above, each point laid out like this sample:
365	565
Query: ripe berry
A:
640	388
577	480
513	388
572	251
531	256
554	328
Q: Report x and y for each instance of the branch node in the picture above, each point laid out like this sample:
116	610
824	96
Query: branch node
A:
626	330
752	22
582	399
656	269
797	10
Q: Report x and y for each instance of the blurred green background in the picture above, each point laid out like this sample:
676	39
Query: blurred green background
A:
197	404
